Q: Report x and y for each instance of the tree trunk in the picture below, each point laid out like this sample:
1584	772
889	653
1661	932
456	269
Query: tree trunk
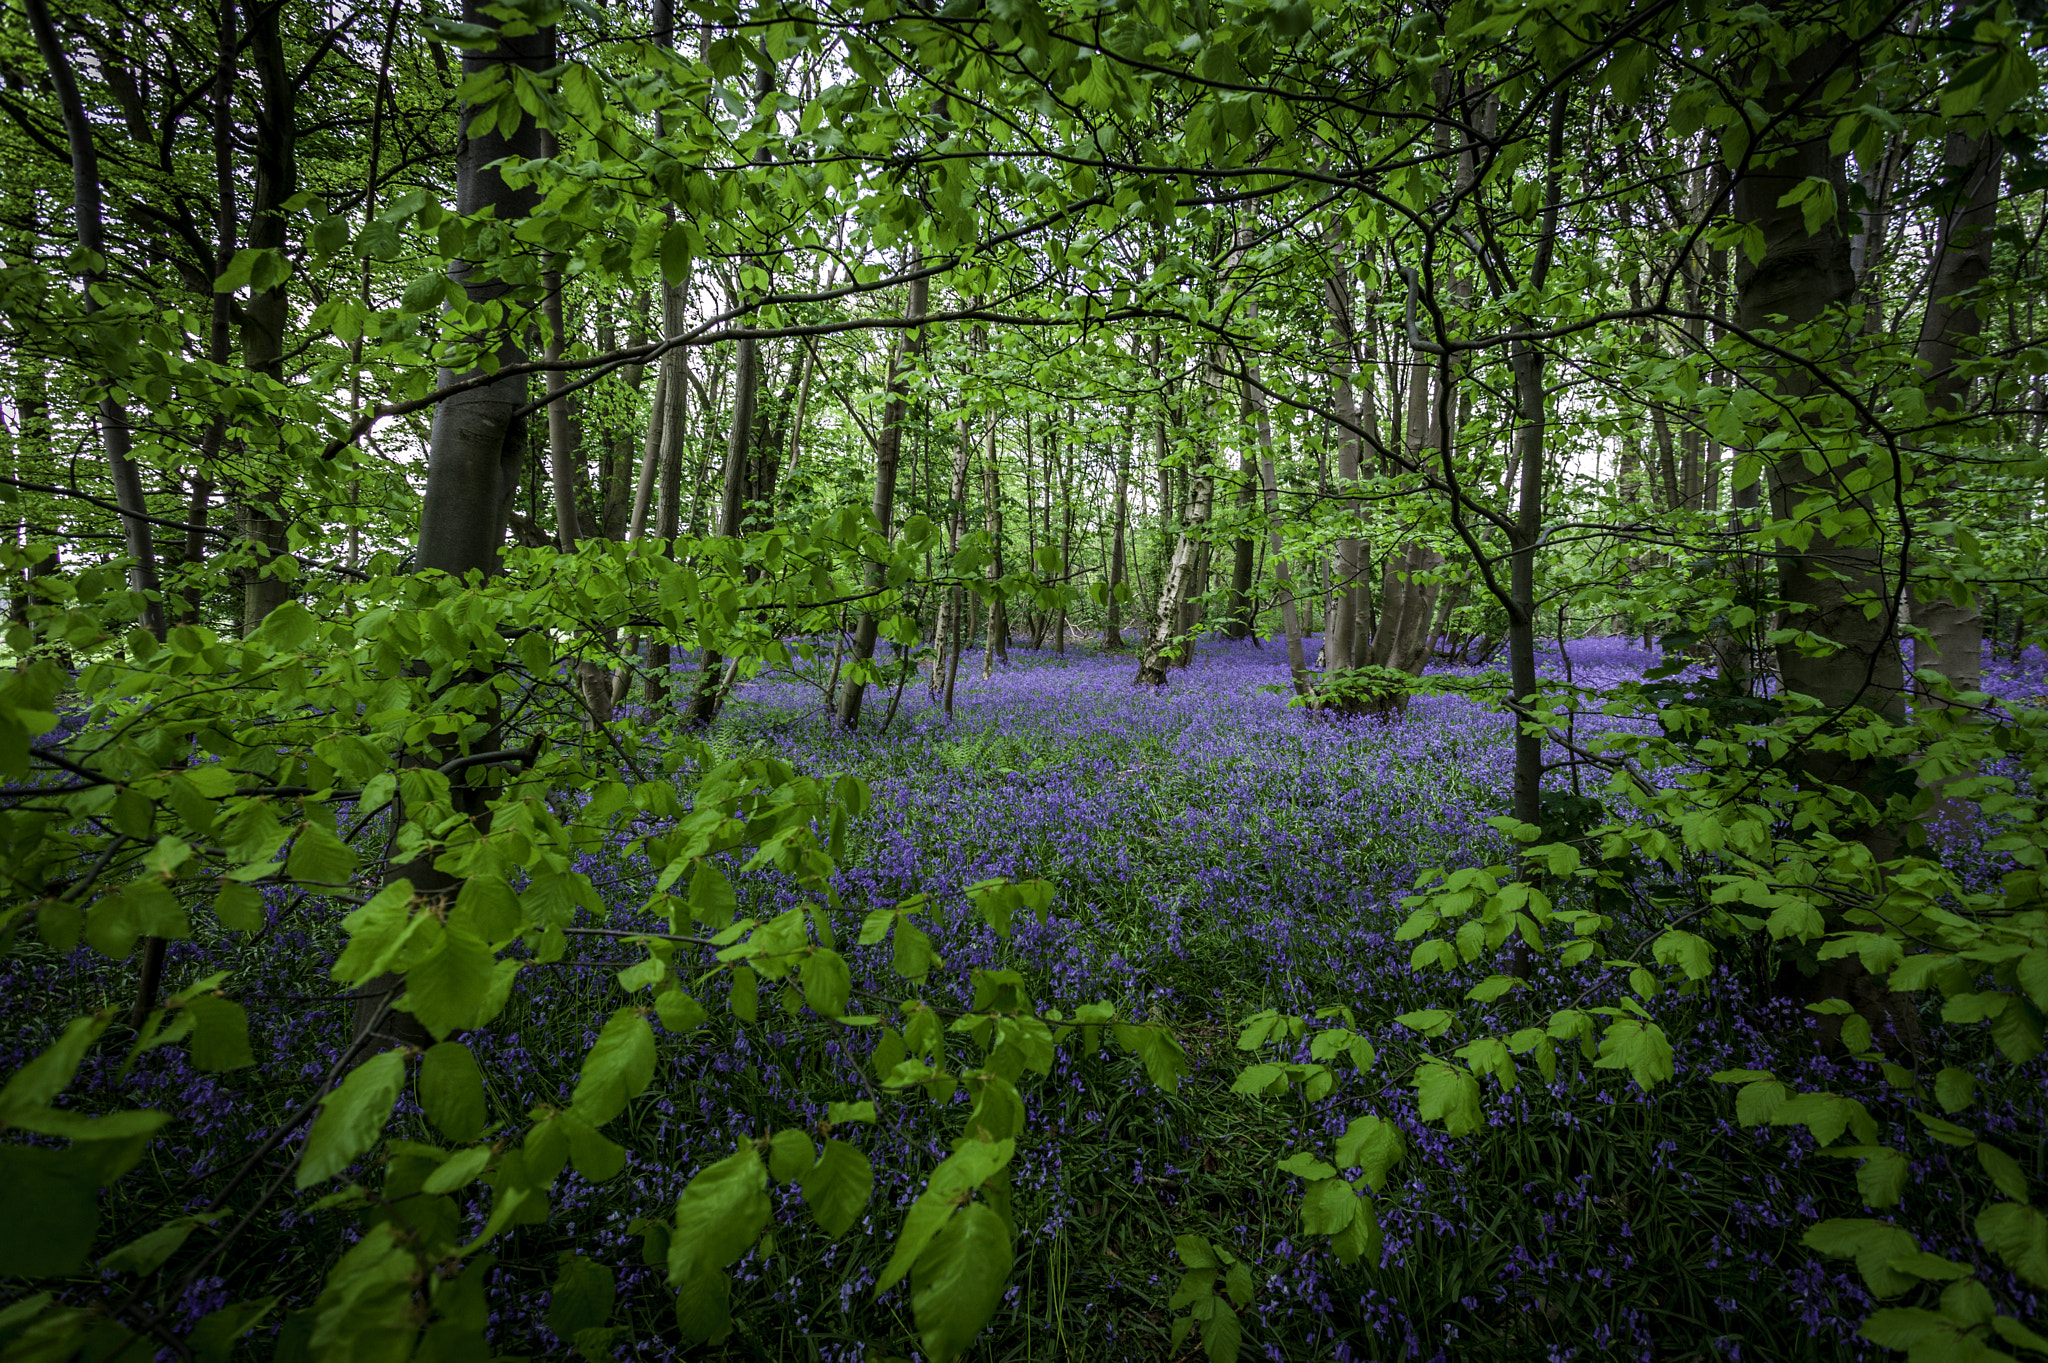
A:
477	447
87	210
998	610
1798	277
264	317
908	350
1954	645
954	602
668	511
1283	576
1112	637
1343	620
1168	636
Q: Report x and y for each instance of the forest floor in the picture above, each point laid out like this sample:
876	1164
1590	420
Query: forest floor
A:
1215	852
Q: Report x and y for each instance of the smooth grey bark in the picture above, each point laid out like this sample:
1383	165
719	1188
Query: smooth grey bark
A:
903	358
1954	645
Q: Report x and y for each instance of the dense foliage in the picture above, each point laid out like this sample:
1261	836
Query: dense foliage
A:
574	780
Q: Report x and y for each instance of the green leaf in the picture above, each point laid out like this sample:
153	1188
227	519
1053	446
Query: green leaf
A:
1428	1021
1449	1095
450	988
1371	1145
720	1213
320	857
675	255
46	1076
1222	1335
352	1117
1873	1244
1756	1103
2005	1171
2018	1235
790	1155
1195	1252
1327	1206
1303	1164
1361	1239
220	1034
1955	1089
50	1214
1639	1047
460	1170
147	1254
968	1167
837	1187
452	1091
704	1307
214	1337
2018	1335
1921	1264
712	901
619	1066
678	1011
1238	1284
959	1279
1689	953
584	1294
239	907
1881	1179
827	983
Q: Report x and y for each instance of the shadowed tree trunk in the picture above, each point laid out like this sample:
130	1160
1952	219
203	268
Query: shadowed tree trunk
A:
999	610
1112	636
477	445
1962	261
1343	617
267	313
1836	583
91	224
903	358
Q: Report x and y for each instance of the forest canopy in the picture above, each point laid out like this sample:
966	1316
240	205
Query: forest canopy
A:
1125	678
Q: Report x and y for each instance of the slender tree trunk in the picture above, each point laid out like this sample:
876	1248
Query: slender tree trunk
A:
1168	635
668	507
998	610
1283	576
954	602
265	316
1338	644
89	215
908	350
1112	636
